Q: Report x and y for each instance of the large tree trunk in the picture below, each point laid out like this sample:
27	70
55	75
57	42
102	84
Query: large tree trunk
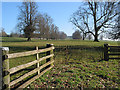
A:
96	38
83	37
29	39
95	23
96	35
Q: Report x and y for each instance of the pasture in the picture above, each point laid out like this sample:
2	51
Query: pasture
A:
77	63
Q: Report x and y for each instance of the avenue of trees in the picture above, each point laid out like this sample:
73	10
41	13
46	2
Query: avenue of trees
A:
46	29
34	24
96	18
91	21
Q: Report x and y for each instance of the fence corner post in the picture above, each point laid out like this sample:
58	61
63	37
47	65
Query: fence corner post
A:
51	52
5	63
106	56
48	53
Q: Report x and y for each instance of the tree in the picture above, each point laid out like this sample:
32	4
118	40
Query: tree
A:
89	36
27	18
44	23
93	17
115	32
14	34
52	33
48	23
62	35
46	29
76	35
101	37
3	33
80	22
40	25
57	33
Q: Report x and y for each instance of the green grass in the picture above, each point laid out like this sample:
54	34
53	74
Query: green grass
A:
12	41
74	68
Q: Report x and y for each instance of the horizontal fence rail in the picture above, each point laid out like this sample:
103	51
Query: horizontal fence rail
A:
47	66
21	54
30	73
113	51
15	69
31	80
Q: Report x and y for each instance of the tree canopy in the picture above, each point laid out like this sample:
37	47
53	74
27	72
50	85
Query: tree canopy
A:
76	35
27	18
34	24
94	17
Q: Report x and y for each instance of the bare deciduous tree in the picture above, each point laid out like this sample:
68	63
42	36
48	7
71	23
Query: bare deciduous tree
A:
3	33
93	17
44	23
115	32
27	18
80	23
47	29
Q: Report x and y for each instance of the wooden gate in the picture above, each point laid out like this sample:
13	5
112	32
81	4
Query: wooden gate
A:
8	71
111	52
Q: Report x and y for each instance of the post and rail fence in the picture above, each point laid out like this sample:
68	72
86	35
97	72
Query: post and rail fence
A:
6	71
111	52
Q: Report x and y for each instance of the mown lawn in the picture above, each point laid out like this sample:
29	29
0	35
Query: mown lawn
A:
13	41
73	68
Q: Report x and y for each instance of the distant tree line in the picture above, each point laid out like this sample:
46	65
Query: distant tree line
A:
12	34
78	35
3	33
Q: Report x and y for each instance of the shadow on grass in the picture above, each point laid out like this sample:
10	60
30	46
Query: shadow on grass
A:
96	54
15	49
78	47
15	41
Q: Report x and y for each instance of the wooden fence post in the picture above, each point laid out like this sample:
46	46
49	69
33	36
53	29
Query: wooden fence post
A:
6	74
1	78
37	59
48	53
51	52
106	57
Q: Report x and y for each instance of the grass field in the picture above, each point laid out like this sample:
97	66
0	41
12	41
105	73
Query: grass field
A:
74	68
13	41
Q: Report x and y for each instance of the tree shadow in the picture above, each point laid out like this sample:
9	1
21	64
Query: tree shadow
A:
96	54
15	49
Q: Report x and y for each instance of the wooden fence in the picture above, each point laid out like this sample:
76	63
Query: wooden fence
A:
111	52
7	72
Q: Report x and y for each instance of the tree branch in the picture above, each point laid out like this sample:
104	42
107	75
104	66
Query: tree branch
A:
107	20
